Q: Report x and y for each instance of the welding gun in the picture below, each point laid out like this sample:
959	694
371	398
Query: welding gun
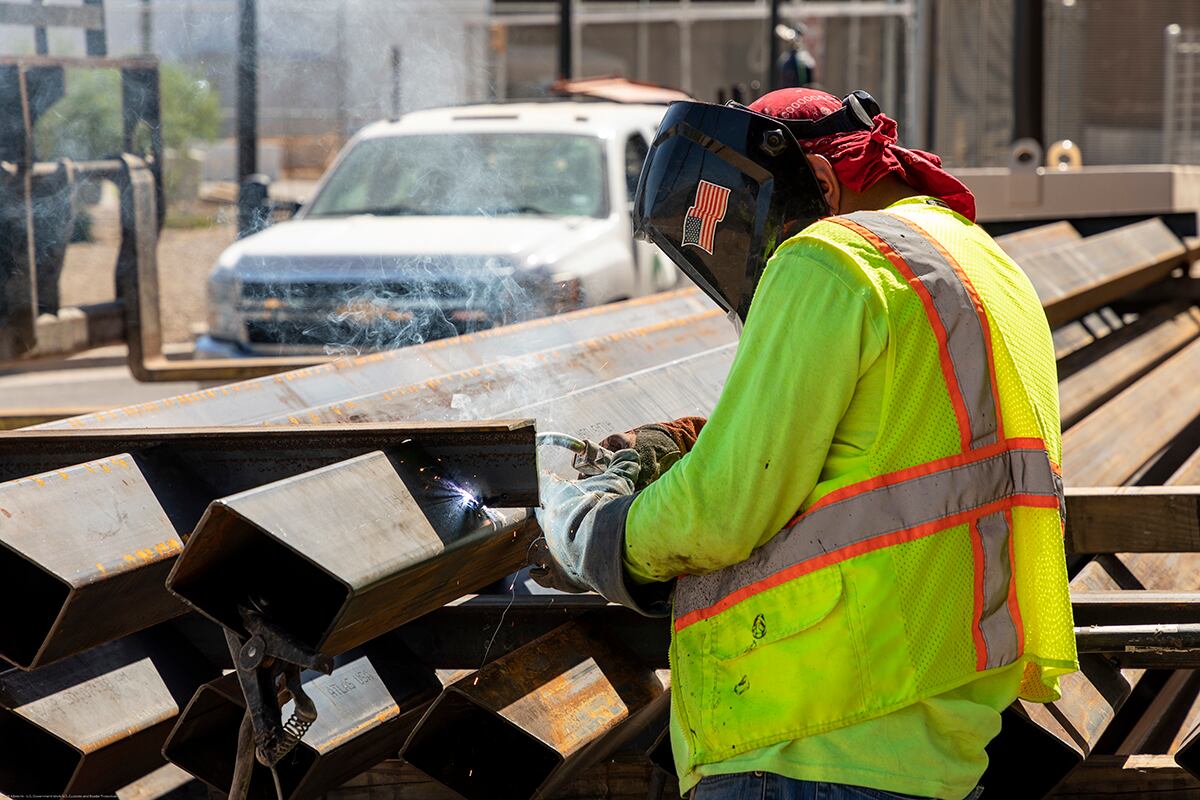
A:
590	458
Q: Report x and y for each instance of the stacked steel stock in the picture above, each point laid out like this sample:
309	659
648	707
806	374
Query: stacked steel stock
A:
319	532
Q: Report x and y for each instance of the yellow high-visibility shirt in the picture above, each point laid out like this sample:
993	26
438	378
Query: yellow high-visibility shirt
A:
807	406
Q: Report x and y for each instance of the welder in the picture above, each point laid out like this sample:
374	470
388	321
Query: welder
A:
861	548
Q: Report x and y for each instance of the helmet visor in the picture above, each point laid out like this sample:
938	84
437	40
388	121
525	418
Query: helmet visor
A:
718	189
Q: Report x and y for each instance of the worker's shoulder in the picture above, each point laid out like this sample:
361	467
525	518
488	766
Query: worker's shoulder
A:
825	246
938	221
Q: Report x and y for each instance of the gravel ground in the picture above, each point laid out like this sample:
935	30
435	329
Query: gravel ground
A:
184	258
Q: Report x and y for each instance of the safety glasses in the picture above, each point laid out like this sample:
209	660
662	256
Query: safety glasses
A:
857	113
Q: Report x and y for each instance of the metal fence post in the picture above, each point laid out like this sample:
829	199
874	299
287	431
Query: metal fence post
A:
1171	36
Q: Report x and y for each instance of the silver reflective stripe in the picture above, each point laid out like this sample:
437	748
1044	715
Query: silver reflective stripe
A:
995	621
878	512
965	337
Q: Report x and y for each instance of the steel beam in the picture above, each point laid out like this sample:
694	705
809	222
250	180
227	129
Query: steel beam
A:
84	549
497	453
1130	777
370	544
1129	640
526	723
1133	519
450	636
463	633
1075	279
1091	377
1052	739
168	781
1188	755
534	358
93	723
1135	606
355	549
365	710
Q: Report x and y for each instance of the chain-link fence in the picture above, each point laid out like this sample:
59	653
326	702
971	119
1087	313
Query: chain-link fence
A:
1181	92
1107	87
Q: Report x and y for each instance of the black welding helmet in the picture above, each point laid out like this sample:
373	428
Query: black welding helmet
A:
720	186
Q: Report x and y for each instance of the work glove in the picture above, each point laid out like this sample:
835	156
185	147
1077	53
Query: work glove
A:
565	556
582	547
658	445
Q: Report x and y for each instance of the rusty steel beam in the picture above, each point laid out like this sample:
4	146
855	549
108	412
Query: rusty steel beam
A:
1188	755
523	725
373	545
1133	519
14	418
1062	734
1134	606
85	549
1130	777
1130	640
1074	279
94	722
164	782
534	358
459	634
355	549
365	711
497	451
551	355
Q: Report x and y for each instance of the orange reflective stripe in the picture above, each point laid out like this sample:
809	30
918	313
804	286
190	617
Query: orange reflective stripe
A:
939	330
898	507
1014	607
978	486
980	312
976	629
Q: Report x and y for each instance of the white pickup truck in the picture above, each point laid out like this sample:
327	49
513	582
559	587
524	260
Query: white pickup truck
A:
444	222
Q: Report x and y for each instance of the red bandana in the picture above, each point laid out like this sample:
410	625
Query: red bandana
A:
862	158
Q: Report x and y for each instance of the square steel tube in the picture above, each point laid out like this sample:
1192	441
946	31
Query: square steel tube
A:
339	555
365	709
528	722
85	548
94	722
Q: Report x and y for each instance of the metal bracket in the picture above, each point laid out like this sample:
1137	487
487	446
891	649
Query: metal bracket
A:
268	667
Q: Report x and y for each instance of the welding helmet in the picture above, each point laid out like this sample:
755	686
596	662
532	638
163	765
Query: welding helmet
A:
721	188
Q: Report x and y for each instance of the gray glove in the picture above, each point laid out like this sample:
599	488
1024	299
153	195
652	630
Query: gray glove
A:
582	548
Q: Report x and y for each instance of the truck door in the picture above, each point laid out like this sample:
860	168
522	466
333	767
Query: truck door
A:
653	271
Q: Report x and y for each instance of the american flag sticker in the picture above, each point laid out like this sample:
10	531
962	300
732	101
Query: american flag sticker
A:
700	224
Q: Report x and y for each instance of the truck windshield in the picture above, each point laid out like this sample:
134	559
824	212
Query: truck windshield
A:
468	174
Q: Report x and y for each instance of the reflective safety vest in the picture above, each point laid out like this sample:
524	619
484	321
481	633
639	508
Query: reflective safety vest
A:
943	561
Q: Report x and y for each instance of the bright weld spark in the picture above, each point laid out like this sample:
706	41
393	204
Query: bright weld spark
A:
470	501
464	495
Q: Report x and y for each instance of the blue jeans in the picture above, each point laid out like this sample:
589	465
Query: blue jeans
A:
767	786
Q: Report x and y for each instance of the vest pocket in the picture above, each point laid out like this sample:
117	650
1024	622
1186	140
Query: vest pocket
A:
782	664
776	614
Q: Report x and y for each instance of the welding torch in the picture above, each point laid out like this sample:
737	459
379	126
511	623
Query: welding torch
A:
590	458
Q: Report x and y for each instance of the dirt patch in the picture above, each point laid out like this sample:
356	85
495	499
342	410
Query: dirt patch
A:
185	257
